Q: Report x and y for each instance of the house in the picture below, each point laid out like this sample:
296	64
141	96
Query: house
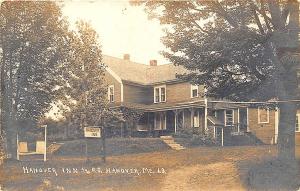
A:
170	104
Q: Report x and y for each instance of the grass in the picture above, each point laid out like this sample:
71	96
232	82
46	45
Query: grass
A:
208	168
201	168
114	146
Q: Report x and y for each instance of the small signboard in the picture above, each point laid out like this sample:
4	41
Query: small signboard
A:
92	132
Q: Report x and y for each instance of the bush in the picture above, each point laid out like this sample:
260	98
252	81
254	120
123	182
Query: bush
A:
184	133
193	137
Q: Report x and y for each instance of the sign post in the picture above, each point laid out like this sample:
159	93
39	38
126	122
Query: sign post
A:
103	145
45	144
95	132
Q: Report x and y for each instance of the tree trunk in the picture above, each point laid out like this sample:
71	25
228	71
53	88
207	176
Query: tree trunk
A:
286	132
287	91
12	140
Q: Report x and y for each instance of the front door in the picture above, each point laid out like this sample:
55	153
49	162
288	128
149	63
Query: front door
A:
243	119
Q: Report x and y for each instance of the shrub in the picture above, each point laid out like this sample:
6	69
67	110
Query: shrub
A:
194	137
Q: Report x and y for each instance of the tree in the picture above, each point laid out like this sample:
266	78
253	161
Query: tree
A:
33	38
85	93
240	49
131	116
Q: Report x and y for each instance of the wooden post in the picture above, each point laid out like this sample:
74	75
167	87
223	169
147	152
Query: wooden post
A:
222	136
183	118
238	119
45	149
148	124
248	129
214	131
86	152
154	121
175	118
103	144
192	117
18	156
205	114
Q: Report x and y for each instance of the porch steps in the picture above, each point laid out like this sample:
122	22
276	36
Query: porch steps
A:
169	140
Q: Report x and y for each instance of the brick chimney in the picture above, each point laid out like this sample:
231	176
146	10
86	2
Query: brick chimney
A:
153	62
126	57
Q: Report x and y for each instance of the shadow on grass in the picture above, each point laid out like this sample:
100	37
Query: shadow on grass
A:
270	174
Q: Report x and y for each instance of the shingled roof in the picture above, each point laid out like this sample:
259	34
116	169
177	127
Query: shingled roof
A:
142	73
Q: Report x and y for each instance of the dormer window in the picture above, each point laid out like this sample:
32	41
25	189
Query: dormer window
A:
111	93
194	91
160	94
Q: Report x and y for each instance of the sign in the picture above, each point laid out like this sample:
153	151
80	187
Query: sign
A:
92	132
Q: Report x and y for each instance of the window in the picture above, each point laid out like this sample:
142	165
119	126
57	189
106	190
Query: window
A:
263	115
111	93
297	125
228	117
156	93
194	91
160	94
163	94
196	119
160	121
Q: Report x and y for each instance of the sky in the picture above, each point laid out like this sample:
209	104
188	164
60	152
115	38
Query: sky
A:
123	29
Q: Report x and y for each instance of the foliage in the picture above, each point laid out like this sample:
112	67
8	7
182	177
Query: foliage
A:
44	62
226	44
33	43
86	93
131	114
240	49
192	137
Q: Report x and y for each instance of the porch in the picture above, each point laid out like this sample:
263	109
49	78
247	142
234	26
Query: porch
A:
166	122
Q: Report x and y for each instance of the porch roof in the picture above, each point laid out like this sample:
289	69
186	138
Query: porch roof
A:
215	121
225	105
161	106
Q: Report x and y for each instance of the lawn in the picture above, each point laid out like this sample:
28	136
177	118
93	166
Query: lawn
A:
201	168
114	146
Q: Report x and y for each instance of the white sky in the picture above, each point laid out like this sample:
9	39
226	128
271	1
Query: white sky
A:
122	28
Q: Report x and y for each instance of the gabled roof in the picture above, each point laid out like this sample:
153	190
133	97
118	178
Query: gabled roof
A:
142	73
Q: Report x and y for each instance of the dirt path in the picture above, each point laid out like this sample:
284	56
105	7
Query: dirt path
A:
196	169
216	176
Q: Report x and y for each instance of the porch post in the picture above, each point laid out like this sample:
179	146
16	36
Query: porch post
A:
248	129
175	117
148	124
277	113
222	136
192	117
18	156
154	120
205	114
238	119
182	118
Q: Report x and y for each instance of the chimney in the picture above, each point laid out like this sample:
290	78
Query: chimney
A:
126	57
153	62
